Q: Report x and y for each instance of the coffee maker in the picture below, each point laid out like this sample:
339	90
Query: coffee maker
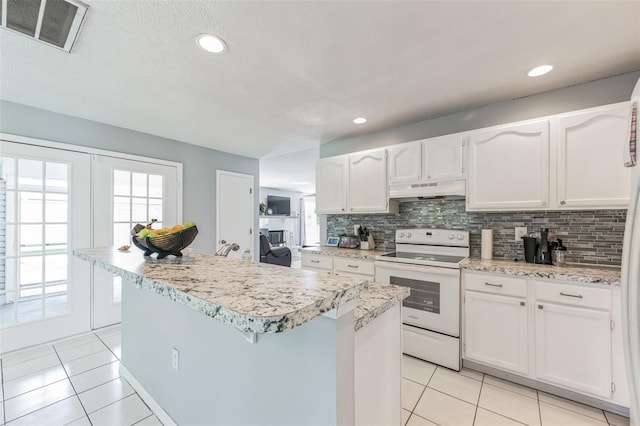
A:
543	250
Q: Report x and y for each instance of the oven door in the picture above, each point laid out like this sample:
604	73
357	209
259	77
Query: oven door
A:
434	302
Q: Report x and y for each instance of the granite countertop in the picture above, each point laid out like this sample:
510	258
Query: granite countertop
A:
250	296
376	300
343	252
576	273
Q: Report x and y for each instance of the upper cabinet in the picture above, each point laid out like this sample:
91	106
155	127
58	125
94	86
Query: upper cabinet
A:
509	167
405	163
589	169
354	183
442	158
367	183
331	184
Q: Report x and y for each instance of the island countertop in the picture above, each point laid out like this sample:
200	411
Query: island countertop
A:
252	297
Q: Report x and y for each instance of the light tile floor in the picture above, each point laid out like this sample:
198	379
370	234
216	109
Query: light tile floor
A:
433	395
76	382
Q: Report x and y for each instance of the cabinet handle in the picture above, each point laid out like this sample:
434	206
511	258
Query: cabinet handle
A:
540	307
353	266
493	285
579	296
314	261
522	304
562	203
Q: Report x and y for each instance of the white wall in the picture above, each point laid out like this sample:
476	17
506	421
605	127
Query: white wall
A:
200	164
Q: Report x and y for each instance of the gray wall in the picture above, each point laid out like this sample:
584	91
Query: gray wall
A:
200	164
600	92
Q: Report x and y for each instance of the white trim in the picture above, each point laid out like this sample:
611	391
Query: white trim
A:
4	13
146	397
43	4
95	151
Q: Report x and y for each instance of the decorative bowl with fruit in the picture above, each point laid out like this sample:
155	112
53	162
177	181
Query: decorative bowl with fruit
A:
163	241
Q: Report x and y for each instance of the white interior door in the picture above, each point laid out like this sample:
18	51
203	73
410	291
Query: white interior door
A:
234	211
126	193
45	204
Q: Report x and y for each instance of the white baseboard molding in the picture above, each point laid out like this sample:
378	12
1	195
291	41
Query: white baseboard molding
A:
148	399
554	390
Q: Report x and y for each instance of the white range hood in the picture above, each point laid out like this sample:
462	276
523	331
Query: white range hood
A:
451	189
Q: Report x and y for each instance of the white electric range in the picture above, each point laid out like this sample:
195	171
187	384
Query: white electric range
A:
428	262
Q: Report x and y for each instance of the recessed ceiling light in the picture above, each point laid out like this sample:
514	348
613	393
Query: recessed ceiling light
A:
211	43
360	120
541	70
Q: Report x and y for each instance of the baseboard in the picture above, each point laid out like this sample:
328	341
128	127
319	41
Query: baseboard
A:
574	396
148	399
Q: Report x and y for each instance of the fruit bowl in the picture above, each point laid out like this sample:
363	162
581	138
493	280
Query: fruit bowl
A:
165	244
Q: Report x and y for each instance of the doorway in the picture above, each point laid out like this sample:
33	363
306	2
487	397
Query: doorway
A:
127	192
45	205
235	207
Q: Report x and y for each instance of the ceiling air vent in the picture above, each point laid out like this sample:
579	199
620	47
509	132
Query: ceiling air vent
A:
55	22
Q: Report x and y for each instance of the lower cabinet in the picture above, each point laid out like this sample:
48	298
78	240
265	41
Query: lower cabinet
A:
562	334
496	331
573	348
344	266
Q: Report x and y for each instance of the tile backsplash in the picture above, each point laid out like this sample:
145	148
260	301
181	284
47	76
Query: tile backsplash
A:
591	237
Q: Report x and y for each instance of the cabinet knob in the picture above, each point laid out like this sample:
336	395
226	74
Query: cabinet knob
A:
562	203
540	307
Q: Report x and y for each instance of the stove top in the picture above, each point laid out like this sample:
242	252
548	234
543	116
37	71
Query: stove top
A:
430	247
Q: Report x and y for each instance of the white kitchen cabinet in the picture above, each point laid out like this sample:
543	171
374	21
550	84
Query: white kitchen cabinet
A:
496	331
509	167
589	166
317	262
573	348
405	163
354	183
339	265
367	182
331	185
442	158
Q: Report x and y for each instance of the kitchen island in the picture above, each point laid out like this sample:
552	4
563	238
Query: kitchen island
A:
212	340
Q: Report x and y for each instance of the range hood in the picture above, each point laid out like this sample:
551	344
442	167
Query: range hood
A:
451	189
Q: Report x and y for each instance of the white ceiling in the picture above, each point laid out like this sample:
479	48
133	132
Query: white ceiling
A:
297	73
294	171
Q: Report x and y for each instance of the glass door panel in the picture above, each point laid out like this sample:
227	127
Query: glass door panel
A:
44	205
130	192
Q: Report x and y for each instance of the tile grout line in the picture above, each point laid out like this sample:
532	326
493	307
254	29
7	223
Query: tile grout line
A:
421	394
539	408
72	387
475	413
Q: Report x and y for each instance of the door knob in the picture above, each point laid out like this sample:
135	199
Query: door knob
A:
223	242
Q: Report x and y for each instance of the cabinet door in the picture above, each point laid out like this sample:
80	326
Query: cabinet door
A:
367	186
509	167
496	331
442	158
573	348
590	173
405	163
331	175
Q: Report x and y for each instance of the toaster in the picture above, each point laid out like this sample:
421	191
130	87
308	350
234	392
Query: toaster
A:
349	241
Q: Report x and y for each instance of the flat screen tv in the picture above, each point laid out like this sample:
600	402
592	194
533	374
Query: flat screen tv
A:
279	206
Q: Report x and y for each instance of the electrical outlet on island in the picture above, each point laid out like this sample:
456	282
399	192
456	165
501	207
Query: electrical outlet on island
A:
175	359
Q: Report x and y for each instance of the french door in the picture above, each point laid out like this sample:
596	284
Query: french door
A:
127	192
45	205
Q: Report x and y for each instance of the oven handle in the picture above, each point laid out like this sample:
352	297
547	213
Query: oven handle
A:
414	268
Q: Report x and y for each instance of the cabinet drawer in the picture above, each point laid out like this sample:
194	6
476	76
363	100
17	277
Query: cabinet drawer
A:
506	285
353	266
317	261
574	295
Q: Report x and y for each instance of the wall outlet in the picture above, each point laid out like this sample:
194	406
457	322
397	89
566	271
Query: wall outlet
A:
175	359
521	231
